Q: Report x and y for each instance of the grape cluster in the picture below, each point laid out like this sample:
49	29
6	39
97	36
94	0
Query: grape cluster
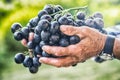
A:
46	29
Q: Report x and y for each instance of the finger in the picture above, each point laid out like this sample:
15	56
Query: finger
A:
55	50
31	36
58	62
70	30
24	42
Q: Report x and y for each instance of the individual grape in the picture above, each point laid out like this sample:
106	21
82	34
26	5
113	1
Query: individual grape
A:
74	39
31	29
98	15
55	38
54	27
63	20
37	30
44	54
28	61
81	15
33	69
25	32
36	62
15	27
58	8
98	23
18	35
19	58
36	39
45	36
89	23
31	45
70	22
38	49
80	22
49	8
64	42
34	21
47	17
42	43
44	24
41	13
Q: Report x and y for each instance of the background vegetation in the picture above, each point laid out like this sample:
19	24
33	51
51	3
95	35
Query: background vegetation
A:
22	10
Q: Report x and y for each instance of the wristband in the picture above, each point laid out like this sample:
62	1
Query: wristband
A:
109	44
107	53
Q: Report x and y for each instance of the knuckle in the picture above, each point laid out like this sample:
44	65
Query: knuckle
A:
85	30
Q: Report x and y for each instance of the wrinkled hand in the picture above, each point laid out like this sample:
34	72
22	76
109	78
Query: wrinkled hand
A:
91	44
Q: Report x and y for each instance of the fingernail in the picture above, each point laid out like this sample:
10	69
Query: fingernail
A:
42	59
44	47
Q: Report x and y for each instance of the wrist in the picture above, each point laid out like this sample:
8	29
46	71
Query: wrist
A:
116	48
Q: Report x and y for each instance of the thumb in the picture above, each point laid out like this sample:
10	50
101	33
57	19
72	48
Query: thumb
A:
71	30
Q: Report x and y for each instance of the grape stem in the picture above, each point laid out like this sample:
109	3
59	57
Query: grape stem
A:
70	9
30	52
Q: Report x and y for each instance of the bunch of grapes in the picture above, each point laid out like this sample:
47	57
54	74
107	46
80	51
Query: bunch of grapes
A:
46	29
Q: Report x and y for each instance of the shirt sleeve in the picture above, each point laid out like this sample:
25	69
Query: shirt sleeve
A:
114	31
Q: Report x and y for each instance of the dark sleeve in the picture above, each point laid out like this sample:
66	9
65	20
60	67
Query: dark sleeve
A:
114	31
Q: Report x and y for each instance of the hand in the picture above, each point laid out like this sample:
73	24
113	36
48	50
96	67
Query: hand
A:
91	44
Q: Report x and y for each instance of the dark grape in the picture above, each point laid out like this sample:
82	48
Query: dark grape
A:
47	17
28	61
15	27
81	15
70	22
19	58
58	8
31	29
25	32
80	22
89	23
45	36
98	23
37	38
44	24
37	30
36	62
49	8
98	15
44	54
64	42
54	38
18	35
42	43
31	45
33	69
74	39
38	49
54	27
63	20
34	21
41	13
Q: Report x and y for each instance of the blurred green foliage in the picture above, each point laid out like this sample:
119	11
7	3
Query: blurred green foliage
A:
22	10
